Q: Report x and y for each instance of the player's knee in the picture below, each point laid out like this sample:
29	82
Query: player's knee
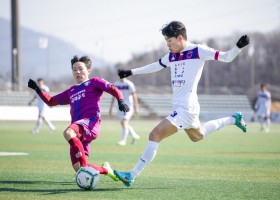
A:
154	135
68	134
196	137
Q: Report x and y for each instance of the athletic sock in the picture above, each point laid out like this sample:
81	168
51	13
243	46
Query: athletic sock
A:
145	159
49	124
132	132
38	124
125	132
261	121
267	124
214	125
78	149
101	170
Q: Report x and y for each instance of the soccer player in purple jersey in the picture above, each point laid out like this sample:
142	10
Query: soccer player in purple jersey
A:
185	61
84	99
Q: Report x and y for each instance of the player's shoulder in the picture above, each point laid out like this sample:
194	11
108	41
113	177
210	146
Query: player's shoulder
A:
192	45
70	88
97	79
117	83
128	81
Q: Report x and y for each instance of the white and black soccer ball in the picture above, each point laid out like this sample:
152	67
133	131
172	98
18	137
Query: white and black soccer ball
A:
87	178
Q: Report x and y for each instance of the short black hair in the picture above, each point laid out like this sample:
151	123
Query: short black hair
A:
40	79
263	85
84	59
174	29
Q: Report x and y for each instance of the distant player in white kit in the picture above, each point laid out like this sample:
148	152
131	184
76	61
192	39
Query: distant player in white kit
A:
130	98
42	107
262	107
185	61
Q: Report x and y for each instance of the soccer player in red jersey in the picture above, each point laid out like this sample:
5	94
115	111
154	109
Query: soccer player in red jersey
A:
84	100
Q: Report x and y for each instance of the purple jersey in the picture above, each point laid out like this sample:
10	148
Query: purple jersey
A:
84	98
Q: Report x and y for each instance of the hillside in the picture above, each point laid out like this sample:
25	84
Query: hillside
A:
36	62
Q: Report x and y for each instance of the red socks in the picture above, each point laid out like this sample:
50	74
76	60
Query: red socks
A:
78	149
101	170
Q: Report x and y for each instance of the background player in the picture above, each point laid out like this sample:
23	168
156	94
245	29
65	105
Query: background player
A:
185	61
130	98
42	108
84	99
262	107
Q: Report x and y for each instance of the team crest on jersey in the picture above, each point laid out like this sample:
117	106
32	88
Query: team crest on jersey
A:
189	54
173	57
87	83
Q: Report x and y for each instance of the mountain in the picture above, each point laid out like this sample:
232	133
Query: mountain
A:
53	61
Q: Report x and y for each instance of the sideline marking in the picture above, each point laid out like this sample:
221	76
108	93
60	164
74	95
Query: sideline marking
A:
13	154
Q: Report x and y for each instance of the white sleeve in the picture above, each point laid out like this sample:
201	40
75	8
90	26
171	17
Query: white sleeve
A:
207	53
229	55
154	67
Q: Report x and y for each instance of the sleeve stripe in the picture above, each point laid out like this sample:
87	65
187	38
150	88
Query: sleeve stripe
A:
162	63
216	55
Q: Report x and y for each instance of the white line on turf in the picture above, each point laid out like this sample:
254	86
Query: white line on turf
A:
13	154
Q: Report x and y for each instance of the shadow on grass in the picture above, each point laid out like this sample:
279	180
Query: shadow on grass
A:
44	191
48	191
61	191
38	182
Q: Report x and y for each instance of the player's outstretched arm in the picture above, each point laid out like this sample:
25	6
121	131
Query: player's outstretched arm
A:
228	56
47	98
150	68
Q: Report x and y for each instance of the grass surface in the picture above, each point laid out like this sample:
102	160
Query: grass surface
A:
226	165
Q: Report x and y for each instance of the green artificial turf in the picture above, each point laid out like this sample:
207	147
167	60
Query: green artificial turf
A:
228	164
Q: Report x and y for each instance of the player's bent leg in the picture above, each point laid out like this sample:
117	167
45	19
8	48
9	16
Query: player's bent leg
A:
49	124
38	125
194	134
70	134
164	129
161	131
125	132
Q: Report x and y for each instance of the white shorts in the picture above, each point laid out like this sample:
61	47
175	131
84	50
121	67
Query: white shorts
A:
125	116
42	111
185	118
263	112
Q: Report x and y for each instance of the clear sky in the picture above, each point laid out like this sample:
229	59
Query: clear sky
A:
116	29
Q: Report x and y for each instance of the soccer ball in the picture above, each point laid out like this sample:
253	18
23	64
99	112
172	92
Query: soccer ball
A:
87	178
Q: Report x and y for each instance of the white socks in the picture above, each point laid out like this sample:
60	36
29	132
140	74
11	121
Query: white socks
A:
145	159
38	125
267	124
125	132
215	125
132	132
50	125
